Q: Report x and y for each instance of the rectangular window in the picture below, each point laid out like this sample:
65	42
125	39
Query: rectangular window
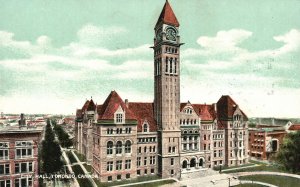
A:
119	165
4	169
20	182
172	172
127	176
145	161
3	154
152	171
4	183
119	118
109	166
146	171
23	152
109	178
127	164
138	172
215	153
23	167
172	161
138	162
119	177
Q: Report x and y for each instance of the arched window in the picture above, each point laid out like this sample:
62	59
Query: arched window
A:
119	147
128	147
175	65
150	149
145	128
167	61
109	149
171	65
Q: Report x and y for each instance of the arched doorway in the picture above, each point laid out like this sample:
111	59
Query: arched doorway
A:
201	162
193	163
184	164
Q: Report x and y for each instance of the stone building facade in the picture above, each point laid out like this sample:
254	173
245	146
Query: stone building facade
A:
123	139
19	156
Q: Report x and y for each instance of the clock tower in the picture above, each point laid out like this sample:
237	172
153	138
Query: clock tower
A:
167	91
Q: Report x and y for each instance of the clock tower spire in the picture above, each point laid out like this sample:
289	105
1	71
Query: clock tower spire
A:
167	91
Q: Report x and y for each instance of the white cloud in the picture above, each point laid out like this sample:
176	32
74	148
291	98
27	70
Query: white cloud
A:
224	68
92	35
224	40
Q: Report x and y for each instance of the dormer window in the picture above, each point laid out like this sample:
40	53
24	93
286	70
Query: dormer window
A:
188	111
120	116
145	127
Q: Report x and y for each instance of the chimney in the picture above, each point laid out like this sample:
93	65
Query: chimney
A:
215	107
126	103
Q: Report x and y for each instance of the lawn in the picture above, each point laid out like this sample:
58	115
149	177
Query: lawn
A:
249	185
71	157
139	179
88	167
261	167
81	157
217	168
154	184
83	182
274	179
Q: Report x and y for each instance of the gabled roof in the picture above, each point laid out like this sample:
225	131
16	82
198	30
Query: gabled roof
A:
144	112
110	106
226	107
86	104
91	106
295	127
167	16
204	111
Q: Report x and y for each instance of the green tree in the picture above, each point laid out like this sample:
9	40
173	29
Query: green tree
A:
289	153
51	153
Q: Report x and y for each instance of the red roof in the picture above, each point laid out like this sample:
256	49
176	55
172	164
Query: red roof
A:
226	107
205	112
86	104
294	127
144	112
167	16
78	113
111	105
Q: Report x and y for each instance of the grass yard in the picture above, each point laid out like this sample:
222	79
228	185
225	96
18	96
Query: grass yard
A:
262	167
83	182
249	185
81	157
88	167
154	184
139	179
71	157
281	181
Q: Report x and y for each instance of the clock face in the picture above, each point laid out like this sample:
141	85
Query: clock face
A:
171	34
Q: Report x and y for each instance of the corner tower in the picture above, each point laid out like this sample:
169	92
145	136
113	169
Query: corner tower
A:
167	91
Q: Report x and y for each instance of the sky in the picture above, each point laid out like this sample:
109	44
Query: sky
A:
56	54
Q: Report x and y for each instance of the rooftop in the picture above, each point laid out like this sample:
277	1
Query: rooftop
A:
16	129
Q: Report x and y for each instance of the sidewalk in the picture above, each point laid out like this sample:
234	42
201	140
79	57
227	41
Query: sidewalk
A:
265	173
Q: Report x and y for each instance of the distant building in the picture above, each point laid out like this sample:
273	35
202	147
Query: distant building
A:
123	140
19	156
266	138
265	142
